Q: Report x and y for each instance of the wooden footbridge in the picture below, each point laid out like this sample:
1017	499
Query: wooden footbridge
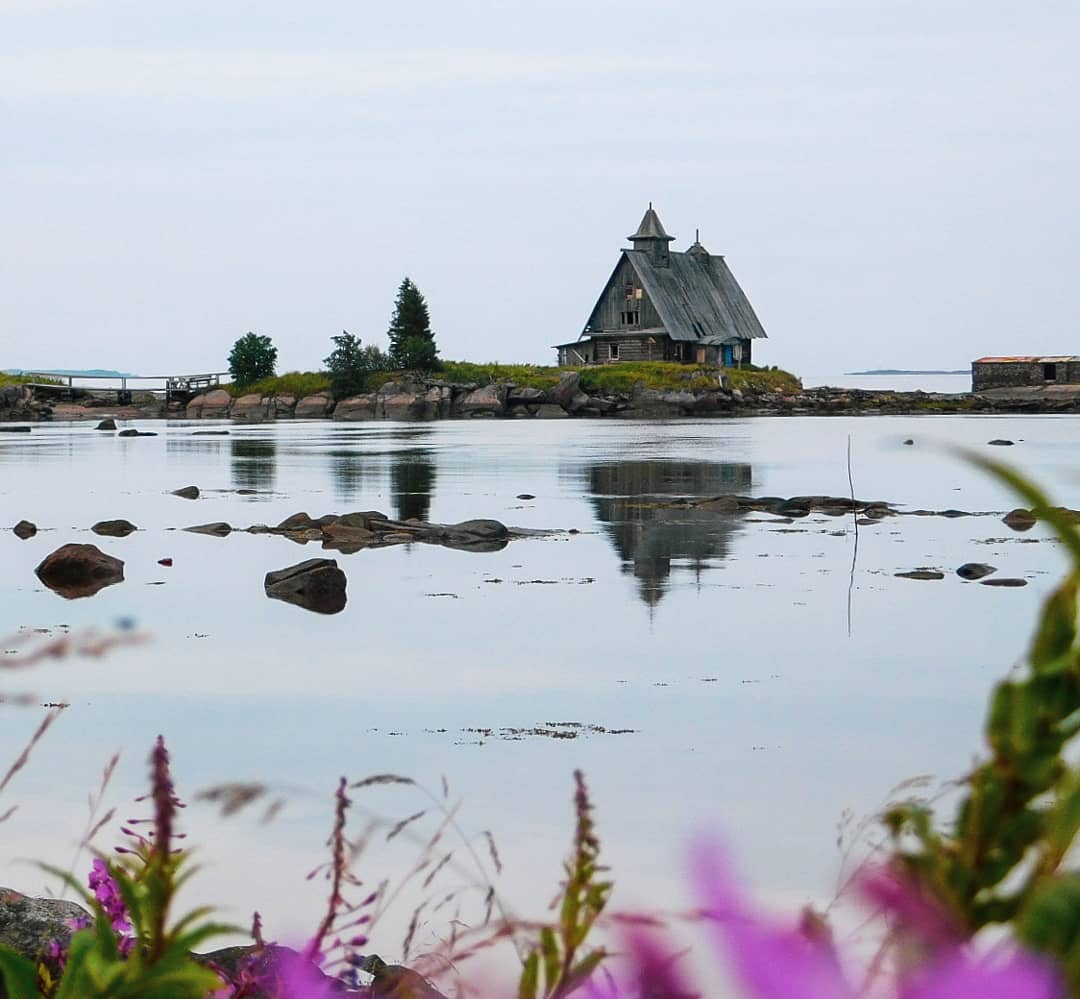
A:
67	384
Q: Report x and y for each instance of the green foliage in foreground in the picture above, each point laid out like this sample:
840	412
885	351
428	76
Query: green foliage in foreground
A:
1002	859
298	383
26	379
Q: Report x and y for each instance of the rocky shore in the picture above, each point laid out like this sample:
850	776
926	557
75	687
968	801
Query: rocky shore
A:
420	399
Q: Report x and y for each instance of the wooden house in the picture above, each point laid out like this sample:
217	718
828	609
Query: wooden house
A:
663	305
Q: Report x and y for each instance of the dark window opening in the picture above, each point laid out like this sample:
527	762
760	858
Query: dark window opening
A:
629	318
629	291
613	351
1050	372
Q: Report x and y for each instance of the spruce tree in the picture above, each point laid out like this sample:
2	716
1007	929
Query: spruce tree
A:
412	344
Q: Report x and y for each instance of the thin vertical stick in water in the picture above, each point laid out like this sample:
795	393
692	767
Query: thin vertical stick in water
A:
855	520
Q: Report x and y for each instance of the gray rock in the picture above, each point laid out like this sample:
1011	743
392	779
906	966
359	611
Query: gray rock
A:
132	432
1003	581
14	430
577	402
998	442
487	529
489	400
187	492
210	433
317	585
219	529
28	925
107	424
568	386
550	411
114	528
76	571
975	570
24	529
525	395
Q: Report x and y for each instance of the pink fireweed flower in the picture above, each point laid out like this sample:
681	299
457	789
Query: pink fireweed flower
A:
774	961
778	962
108	895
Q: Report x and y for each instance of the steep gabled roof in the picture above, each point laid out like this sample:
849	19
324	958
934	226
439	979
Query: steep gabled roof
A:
697	297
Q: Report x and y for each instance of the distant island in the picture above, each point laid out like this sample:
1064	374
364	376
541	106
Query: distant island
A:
66	373
907	371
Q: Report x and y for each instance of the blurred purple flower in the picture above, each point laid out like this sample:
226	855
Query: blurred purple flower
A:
775	960
108	895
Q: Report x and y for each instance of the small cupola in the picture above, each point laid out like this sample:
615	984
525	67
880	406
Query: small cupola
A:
653	238
697	249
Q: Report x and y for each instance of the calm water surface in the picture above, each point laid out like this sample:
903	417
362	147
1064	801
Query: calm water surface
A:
756	703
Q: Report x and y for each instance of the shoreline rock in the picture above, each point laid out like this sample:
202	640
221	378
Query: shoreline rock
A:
424	398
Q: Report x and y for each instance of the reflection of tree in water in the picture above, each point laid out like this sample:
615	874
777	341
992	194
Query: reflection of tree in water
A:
412	481
347	471
254	463
648	536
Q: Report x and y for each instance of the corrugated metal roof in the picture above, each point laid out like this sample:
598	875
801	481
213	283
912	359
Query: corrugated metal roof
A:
696	296
1030	359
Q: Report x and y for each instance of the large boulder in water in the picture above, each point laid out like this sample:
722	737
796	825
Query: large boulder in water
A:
79	571
316	585
215	403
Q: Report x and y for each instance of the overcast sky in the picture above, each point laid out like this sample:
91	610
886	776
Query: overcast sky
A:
893	183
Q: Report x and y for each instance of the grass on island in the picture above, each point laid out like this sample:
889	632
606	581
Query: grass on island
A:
297	383
610	378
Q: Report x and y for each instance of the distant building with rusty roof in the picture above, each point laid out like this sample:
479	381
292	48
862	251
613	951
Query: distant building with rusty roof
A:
662	305
1013	372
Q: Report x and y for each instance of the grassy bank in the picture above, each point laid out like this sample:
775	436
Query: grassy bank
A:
661	375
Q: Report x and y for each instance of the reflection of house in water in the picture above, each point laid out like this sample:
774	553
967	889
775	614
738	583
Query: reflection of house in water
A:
254	463
648	536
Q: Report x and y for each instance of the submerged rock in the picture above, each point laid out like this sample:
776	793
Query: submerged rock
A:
921	574
998	442
975	570
132	432
1003	581
76	571
219	529
107	424
1020	519
24	529
316	585
114	528
187	492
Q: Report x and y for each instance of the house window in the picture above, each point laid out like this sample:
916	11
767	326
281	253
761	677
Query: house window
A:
639	293
613	351
629	318
629	291
1050	372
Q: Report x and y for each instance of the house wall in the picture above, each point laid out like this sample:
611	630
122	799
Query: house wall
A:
1009	374
608	313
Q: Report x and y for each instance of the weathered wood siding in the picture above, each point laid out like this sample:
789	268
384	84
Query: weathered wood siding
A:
608	315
